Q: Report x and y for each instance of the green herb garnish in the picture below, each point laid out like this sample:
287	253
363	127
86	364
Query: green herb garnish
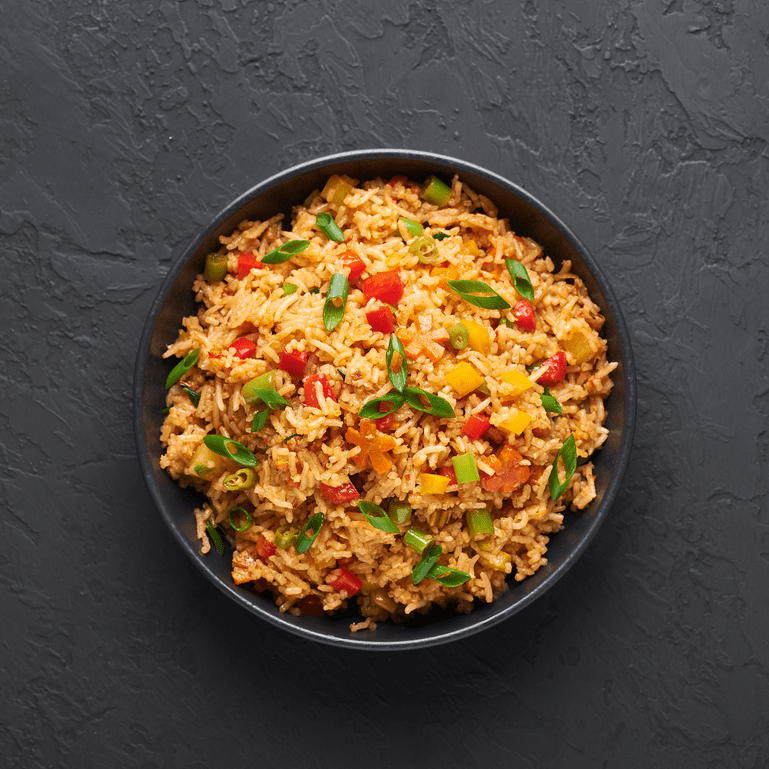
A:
478	293
441	235
336	301
305	540
193	395
215	537
371	410
429	557
270	396
293	435
285	252
377	517
182	367
567	453
447	575
260	420
329	227
521	279
439	407
550	402
289	288
221	445
397	378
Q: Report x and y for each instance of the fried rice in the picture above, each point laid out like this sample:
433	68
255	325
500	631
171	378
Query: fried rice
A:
316	454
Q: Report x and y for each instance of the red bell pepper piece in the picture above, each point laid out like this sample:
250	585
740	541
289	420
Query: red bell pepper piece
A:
347	581
381	320
355	265
293	361
397	179
339	495
246	263
476	426
509	473
385	286
524	314
310	394
450	473
244	348
555	369
385	424
265	548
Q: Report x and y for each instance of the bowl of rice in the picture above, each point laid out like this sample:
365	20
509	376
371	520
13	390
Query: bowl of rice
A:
385	400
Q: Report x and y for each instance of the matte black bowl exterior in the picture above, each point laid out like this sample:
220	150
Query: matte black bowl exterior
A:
175	301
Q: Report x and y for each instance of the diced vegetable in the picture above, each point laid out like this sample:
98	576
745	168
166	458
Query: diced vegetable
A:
216	267
464	378
246	263
205	463
400	511
415	229
240	480
524	314
421	338
347	582
552	371
377	517
459	336
465	468
244	348
479	339
509	472
265	548
479	522
519	381
339	495
433	484
517	422
497	561
436	192
417	540
285	536
448	471
577	345
445	274
289	288
354	264
385	286
337	189
293	362
381	320
373	446
476	426
424	249
311	389
471	247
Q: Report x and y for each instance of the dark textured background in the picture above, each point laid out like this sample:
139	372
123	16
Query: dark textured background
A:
127	126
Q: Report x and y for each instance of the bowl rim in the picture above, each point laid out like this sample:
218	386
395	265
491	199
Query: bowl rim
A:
441	634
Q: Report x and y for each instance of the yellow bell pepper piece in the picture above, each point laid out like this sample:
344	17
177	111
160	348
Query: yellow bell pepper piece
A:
577	344
433	484
480	341
518	380
464	379
445	274
471	247
516	423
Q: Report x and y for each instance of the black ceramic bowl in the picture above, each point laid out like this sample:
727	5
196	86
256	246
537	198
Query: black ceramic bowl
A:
528	217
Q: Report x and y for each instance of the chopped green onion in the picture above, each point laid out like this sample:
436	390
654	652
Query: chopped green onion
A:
505	322
341	373
166	410
415	229
182	367
305	540
202	470
246	522
215	537
447	575
260	420
329	227
285	252
289	288
285	536
336	301
424	248
371	410
240	480
221	445
521	279
479	522
484	389
261	382
568	453
429	557
465	468
268	395
436	192
193	395
550	402
459	336
293	435
417	540
478	293
400	512
439	407
441	235
216	267
377	517
315	290
397	378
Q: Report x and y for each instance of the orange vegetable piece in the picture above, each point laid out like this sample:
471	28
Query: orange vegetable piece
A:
421	338
509	473
373	446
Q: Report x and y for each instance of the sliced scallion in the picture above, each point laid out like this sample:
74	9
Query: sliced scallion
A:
550	402
459	336
268	395
216	267
417	540
371	410
377	517
260	420
447	575
293	435
261	382
436	192
521	279
396	377
415	229
476	292
305	540
439	407
429	557
400	512
246	519
441	235
240	480
424	248
289	288
329	227
215	537
479	522
221	445
336	301
182	367
194	396
285	536
285	252
567	453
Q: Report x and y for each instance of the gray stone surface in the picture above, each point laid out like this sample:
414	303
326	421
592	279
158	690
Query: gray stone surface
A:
127	126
